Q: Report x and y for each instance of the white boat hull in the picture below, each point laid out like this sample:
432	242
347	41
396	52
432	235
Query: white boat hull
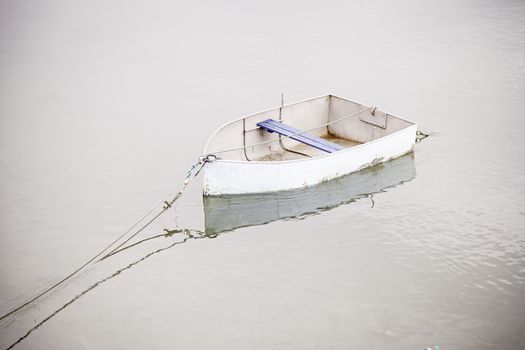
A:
229	212
239	177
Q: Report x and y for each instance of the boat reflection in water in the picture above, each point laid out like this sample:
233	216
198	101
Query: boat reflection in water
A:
228	212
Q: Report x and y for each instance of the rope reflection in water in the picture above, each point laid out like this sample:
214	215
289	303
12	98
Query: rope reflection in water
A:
188	235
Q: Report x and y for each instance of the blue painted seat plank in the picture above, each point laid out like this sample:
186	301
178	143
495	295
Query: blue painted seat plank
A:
286	130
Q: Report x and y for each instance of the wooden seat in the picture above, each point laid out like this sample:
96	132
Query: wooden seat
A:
271	125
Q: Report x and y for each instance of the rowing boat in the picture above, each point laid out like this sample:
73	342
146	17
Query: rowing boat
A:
302	144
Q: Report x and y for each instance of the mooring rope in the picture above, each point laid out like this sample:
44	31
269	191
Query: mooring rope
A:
209	157
168	233
420	136
198	165
167	204
188	235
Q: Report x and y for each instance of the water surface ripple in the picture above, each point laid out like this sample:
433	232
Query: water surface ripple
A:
103	106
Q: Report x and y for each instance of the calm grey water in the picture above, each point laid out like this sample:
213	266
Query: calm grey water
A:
104	105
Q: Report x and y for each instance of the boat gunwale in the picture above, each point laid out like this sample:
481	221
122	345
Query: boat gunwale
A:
253	114
303	159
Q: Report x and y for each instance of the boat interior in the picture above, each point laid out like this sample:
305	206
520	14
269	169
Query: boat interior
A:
309	129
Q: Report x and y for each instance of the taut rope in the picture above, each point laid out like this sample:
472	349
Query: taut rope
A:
198	165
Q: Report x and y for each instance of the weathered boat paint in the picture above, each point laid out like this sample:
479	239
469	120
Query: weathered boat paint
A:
239	176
